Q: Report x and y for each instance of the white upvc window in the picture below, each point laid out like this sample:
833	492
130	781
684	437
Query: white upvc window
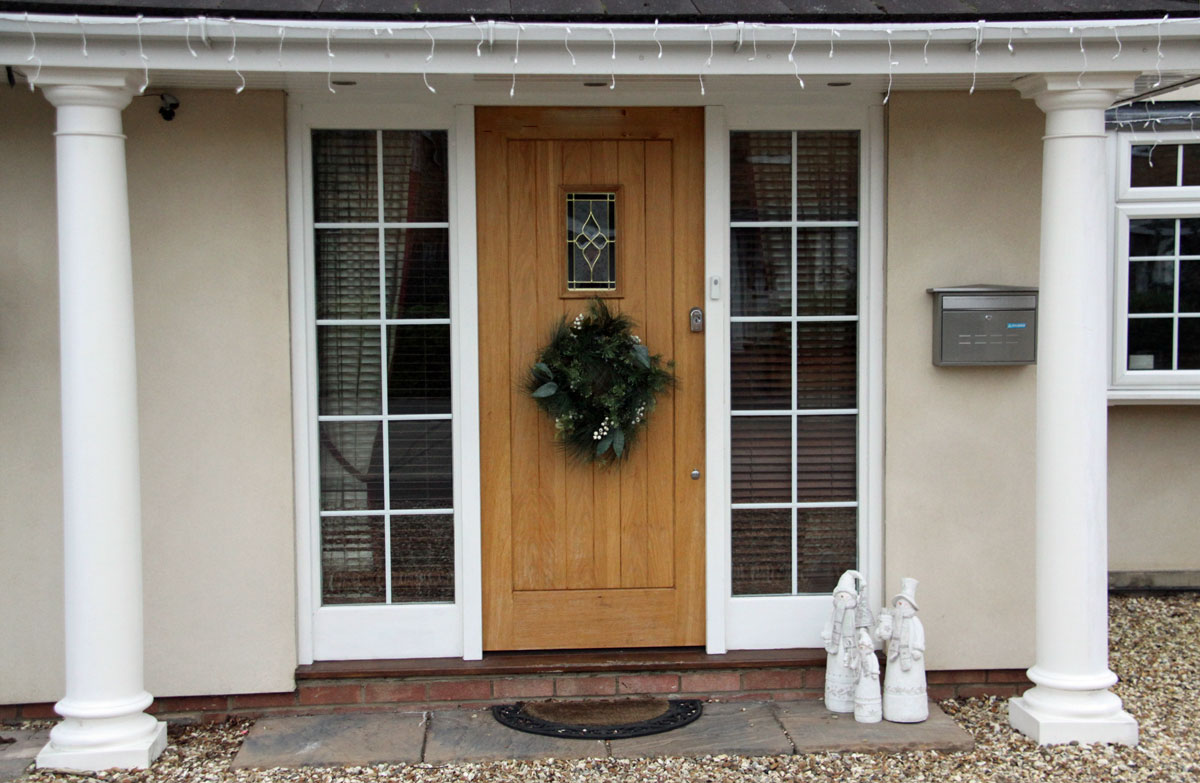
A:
799	431
1156	275
384	401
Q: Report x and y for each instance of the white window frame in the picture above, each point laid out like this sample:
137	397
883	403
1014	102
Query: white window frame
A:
1144	386
767	622
396	630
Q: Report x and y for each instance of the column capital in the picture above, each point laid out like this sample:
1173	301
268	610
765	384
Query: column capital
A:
1052	91
87	87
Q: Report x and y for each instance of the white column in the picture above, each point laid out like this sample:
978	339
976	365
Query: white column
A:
1071	700
103	722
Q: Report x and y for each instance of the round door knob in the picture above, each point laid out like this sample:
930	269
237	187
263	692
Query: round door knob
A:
695	475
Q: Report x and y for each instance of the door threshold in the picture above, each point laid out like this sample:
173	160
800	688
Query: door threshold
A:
565	662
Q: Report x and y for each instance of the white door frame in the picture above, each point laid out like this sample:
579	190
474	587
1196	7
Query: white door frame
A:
456	630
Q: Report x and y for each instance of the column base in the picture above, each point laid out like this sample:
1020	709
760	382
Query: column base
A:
139	753
1046	728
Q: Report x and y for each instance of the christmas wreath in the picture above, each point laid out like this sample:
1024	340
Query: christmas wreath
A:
598	382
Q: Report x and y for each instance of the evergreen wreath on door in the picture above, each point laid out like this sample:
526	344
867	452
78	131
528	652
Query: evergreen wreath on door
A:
598	382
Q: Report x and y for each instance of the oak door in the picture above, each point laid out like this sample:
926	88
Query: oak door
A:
574	555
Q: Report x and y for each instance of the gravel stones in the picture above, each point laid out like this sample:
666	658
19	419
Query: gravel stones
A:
1154	649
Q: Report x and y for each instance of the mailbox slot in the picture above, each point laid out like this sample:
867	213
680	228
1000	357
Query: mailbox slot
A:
984	325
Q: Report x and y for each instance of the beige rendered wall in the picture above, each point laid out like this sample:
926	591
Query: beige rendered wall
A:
964	184
1153	494
208	217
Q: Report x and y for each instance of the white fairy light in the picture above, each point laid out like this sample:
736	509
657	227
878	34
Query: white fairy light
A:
891	64
1117	35
832	35
1079	79
144	58
279	56
655	36
429	59
978	44
512	90
1159	59
711	45
1010	46
925	51
33	56
612	85
567	43
792	57
233	58
82	34
187	37
754	42
700	76
329	51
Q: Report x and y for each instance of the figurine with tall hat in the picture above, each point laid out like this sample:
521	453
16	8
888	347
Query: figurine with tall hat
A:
841	644
904	691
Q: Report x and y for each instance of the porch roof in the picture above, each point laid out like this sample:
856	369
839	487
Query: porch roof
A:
667	11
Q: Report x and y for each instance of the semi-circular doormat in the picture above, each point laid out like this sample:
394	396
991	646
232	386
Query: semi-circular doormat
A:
617	719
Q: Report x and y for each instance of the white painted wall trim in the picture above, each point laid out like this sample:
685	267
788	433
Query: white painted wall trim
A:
716	376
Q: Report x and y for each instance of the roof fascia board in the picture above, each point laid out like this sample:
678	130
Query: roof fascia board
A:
300	46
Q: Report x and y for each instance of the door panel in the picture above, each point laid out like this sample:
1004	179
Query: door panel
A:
577	555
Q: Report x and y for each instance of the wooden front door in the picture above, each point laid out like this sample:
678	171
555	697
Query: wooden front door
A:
577	556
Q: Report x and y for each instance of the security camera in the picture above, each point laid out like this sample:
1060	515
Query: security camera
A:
167	106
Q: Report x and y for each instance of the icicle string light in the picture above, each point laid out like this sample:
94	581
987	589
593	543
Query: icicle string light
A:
187	38
975	68
792	57
1079	79
925	51
33	56
1011	50
233	58
1158	60
754	42
429	59
82	34
891	64
145	60
567	43
279	55
711	46
700	76
1117	35
512	90
329	51
655	36
832	35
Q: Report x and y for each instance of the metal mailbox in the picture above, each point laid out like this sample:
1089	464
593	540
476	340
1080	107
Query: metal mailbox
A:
984	325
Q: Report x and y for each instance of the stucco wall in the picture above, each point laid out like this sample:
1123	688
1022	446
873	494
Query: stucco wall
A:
964	182
1153	494
208	216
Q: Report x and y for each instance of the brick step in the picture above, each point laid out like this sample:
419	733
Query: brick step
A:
362	686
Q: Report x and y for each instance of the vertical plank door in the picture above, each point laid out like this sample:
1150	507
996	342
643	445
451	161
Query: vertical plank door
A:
576	555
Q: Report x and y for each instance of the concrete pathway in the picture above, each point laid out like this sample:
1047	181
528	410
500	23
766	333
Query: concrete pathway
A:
744	729
16	756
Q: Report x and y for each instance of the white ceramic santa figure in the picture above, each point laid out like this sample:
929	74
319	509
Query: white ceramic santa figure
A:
841	661
904	693
867	707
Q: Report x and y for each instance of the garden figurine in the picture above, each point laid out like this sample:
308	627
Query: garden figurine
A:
867	706
841	662
904	692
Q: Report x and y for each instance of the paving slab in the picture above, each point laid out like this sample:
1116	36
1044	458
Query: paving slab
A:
15	757
813	728
474	735
743	729
324	740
